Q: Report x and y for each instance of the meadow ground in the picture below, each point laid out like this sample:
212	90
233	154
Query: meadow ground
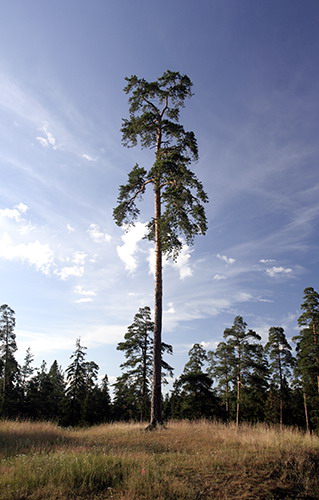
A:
186	461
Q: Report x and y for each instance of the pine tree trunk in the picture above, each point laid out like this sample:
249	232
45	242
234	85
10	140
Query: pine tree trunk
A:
227	402
156	403
306	411
238	400
281	393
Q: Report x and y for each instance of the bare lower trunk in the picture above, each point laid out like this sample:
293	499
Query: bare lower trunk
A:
281	412
306	411
281	394
238	400
227	402
156	403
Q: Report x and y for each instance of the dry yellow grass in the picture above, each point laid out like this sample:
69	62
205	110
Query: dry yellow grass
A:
191	461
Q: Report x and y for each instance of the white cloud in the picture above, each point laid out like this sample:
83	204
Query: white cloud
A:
248	297
97	235
244	297
38	254
70	228
219	277
171	309
266	261
209	345
68	271
127	251
84	300
89	158
42	141
87	293
79	258
275	271
25	228
181	264
228	260
47	141
15	212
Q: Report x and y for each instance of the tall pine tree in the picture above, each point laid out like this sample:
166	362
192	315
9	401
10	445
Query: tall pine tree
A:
178	194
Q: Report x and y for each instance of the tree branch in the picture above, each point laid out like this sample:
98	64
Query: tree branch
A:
141	190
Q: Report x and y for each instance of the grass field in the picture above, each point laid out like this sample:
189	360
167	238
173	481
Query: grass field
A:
190	461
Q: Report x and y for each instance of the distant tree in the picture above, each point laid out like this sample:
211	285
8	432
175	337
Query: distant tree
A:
9	365
240	341
125	403
137	348
310	320
81	377
26	370
255	384
194	395
307	356
102	402
221	362
281	363
56	392
178	194
24	374
44	394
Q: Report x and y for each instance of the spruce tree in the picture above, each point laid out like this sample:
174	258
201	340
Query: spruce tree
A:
178	194
81	376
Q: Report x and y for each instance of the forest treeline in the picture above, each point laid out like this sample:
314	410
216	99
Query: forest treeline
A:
242	380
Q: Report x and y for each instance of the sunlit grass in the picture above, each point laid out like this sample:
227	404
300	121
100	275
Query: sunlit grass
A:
191	461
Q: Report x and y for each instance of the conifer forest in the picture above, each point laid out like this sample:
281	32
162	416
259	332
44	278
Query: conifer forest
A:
242	380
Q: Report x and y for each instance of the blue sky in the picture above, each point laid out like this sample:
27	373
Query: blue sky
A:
65	267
